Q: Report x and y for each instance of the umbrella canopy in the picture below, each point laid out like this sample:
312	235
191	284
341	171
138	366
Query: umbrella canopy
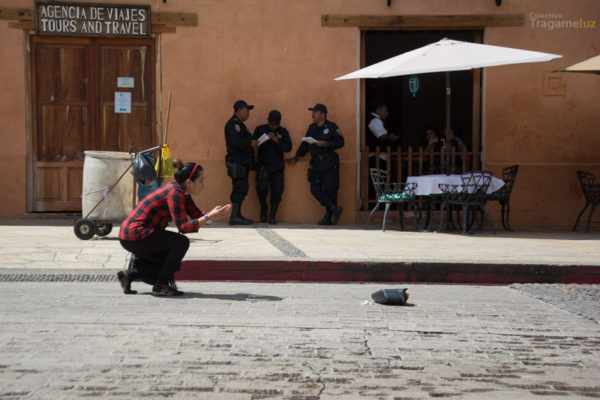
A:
448	55
591	66
445	56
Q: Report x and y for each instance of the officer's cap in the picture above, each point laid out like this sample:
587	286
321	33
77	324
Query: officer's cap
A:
242	104
319	107
274	117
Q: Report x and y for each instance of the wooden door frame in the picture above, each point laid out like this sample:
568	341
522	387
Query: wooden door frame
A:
31	97
363	178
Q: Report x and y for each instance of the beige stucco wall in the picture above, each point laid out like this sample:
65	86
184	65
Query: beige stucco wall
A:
275	54
12	122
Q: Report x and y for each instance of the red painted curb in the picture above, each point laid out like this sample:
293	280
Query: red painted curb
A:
348	271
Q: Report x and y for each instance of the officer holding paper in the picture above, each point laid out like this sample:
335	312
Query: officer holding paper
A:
272	140
322	139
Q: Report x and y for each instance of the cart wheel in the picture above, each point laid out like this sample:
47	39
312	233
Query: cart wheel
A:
84	229
103	230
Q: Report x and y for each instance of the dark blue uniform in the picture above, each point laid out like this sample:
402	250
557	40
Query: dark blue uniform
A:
240	157
269	165
323	173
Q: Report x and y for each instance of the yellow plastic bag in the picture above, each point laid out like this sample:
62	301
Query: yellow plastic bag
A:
164	165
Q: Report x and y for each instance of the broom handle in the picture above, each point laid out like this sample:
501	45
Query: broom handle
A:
168	115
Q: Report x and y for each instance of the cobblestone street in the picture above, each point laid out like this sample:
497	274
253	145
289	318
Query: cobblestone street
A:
292	341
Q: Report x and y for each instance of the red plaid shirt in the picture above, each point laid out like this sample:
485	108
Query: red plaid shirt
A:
157	209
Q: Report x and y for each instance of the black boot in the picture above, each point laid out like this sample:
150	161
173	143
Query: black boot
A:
336	213
248	220
263	211
125	282
274	206
326	219
236	216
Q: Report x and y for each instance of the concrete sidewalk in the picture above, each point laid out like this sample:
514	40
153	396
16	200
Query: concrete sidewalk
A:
309	252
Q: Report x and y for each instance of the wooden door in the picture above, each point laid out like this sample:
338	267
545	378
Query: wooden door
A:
132	59
73	85
63	121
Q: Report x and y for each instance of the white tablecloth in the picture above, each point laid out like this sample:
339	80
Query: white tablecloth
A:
429	184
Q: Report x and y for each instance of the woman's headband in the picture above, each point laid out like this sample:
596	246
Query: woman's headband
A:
193	170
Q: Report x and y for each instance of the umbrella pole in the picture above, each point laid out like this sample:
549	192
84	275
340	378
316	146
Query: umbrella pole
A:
448	113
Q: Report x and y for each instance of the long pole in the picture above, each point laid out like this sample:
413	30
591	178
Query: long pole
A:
168	116
448	117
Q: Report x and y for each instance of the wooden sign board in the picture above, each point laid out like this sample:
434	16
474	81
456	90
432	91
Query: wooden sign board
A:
90	19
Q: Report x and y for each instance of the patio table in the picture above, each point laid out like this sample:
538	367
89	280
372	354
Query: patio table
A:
430	184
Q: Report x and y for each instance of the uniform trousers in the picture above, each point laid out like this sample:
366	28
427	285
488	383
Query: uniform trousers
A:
239	183
159	253
273	180
324	186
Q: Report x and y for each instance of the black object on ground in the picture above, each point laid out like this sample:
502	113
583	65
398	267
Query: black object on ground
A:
391	296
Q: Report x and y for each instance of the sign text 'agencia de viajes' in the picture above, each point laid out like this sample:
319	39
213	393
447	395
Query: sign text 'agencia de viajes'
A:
89	19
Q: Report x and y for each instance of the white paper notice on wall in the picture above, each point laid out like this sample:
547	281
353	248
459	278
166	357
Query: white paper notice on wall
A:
125	82
123	102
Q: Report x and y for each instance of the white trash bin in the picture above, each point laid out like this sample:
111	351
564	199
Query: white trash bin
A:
101	203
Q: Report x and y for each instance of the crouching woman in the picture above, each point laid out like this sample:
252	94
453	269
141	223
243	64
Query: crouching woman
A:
157	252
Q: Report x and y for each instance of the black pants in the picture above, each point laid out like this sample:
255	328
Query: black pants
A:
324	185
239	183
162	248
275	181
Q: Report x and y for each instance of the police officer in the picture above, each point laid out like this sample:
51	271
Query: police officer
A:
239	159
273	140
323	173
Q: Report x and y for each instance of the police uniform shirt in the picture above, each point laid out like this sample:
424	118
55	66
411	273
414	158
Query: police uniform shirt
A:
237	140
322	157
270	154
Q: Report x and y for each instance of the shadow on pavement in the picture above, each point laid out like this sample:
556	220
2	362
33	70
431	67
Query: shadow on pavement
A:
226	297
233	297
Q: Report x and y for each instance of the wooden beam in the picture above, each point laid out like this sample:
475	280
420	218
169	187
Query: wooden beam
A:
162	29
172	18
422	21
16	14
27	25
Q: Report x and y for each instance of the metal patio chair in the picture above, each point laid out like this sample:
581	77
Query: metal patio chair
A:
470	196
389	193
502	195
591	191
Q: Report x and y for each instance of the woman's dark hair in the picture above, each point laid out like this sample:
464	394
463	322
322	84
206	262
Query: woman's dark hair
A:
191	168
432	128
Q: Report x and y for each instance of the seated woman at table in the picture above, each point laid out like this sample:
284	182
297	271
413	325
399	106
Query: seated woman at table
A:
432	140
434	144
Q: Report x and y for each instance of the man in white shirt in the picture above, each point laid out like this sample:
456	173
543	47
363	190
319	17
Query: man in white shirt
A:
377	128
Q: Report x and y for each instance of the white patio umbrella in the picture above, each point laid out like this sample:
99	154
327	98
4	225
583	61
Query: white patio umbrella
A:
591	66
445	56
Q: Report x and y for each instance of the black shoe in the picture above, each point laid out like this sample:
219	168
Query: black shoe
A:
273	211
125	282
326	219
163	290
173	286
336	214
263	213
239	220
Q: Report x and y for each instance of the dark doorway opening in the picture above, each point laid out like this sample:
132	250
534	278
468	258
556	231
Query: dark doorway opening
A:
411	113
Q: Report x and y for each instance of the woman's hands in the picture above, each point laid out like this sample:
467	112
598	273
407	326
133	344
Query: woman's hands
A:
219	212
